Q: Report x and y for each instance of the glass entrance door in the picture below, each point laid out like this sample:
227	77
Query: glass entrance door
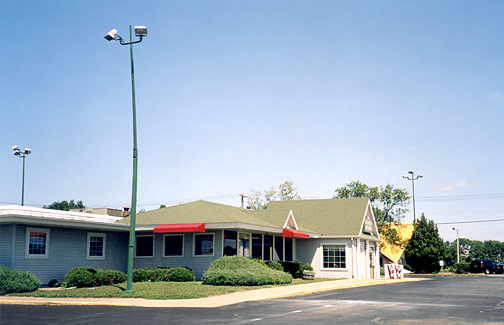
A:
244	244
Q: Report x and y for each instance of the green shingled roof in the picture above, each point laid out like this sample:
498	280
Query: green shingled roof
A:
196	212
329	217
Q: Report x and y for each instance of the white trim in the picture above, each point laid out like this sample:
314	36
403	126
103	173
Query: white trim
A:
95	234
164	245
322	268
291	217
213	244
27	241
48	222
153	246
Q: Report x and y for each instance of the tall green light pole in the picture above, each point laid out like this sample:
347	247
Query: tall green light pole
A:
413	179
140	31
21	154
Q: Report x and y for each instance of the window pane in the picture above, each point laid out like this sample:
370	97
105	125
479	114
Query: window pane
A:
278	248
334	256
174	245
288	249
256	246
96	245
268	247
229	243
244	245
145	246
203	245
37	243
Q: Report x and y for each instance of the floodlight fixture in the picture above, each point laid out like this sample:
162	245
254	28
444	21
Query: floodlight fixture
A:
21	154
111	35
140	31
411	171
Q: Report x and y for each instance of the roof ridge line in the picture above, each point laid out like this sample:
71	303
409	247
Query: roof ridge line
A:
211	206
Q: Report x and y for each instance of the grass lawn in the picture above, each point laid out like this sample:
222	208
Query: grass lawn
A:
153	290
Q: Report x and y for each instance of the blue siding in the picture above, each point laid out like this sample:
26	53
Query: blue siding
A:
198	264
6	244
67	250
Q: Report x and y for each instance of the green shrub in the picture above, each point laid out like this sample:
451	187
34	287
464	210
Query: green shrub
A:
296	268
242	271
141	275
461	267
275	266
108	277
81	277
260	261
12	280
159	274
181	274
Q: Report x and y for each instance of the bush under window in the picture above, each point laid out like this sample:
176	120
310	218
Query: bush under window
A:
12	280
242	271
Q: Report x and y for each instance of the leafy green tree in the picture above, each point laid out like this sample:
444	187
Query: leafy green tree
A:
425	249
65	205
389	206
260	200
162	206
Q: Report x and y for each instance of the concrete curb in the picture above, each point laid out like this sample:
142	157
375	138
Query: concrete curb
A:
208	302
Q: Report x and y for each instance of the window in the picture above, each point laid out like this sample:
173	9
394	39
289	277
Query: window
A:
334	257
244	244
268	247
95	246
203	245
278	248
288	249
256	246
144	246
230	238
37	243
173	245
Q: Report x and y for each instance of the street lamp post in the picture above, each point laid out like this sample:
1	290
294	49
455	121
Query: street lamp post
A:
458	246
413	179
21	154
141	32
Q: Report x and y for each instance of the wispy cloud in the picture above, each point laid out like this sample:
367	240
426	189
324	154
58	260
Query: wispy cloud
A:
497	96
452	187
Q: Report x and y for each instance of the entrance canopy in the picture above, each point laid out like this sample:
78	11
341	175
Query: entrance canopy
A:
181	227
294	233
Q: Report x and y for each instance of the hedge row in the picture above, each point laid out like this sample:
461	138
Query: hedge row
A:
175	274
242	271
91	277
295	269
12	280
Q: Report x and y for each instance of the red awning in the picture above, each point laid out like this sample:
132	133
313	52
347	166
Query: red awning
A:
182	227
294	233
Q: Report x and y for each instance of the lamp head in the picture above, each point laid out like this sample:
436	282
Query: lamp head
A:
27	151
111	35
140	31
420	176
405	176
411	171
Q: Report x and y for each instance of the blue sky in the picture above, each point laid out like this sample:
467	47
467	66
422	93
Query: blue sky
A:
241	95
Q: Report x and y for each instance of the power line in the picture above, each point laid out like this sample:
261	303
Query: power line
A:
473	221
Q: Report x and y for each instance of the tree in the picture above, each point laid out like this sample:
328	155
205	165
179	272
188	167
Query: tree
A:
162	206
389	206
65	205
286	191
425	249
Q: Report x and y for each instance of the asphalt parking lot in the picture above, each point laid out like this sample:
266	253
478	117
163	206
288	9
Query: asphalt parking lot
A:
441	300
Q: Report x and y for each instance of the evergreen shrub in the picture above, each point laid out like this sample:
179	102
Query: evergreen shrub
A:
242	271
296	268
181	274
12	280
81	277
275	266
